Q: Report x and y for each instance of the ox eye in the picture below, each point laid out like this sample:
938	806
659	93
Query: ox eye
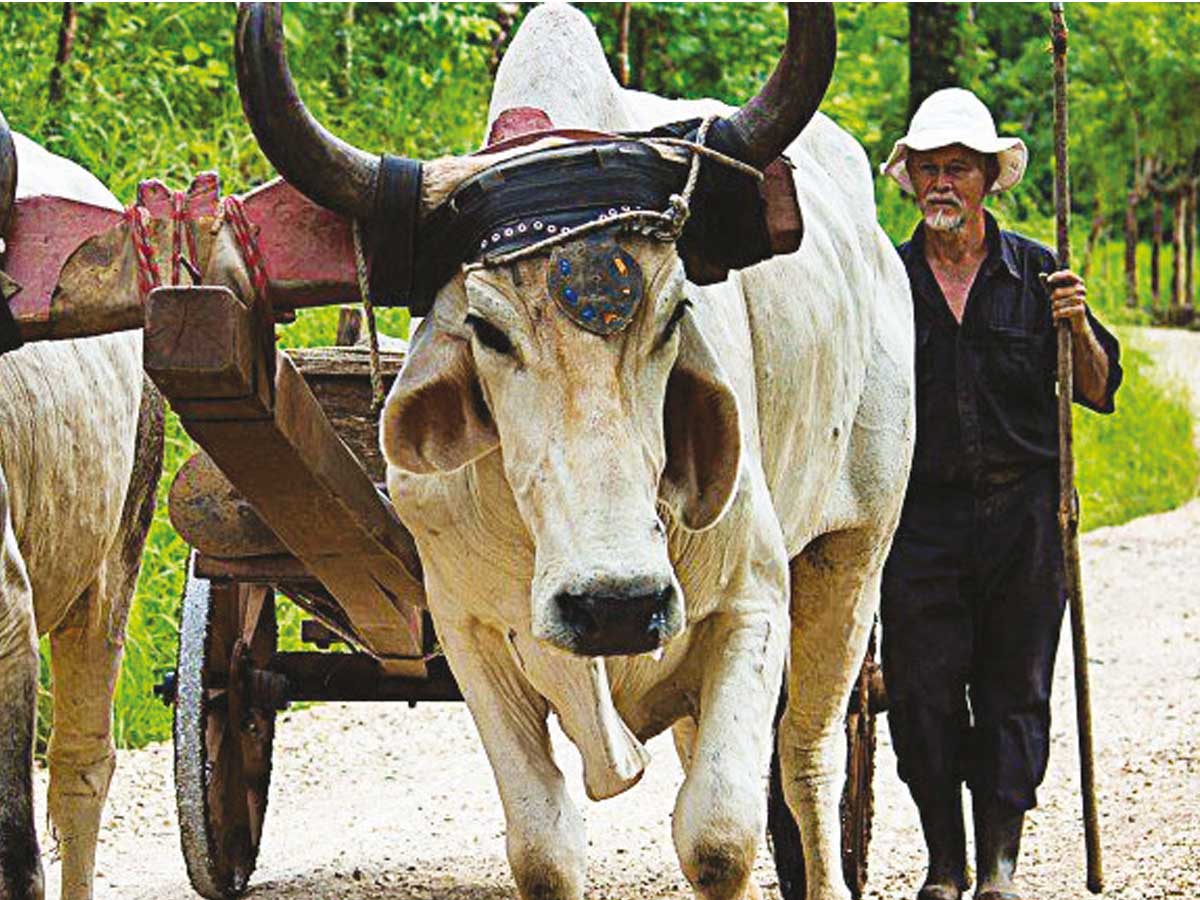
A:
489	335
673	323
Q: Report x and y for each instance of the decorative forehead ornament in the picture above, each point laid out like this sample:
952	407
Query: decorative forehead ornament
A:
596	282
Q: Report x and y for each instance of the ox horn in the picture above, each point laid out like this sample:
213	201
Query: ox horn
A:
778	113
8	176
324	168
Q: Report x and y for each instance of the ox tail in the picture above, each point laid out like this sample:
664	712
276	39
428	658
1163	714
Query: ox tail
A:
138	511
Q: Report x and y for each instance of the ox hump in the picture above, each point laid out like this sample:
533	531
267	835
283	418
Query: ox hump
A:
42	173
555	63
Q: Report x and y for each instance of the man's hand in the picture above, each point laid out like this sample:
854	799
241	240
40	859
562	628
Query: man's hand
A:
1068	300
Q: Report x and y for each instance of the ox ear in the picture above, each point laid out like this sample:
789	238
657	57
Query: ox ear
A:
703	434
435	418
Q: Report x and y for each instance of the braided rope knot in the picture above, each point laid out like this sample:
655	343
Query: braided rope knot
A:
675	218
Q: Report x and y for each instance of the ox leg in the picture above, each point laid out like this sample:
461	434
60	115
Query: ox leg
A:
85	654
544	831
85	651
720	812
835	592
20	862
684	733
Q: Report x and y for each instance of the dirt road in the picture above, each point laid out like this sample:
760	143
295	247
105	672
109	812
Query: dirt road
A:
386	801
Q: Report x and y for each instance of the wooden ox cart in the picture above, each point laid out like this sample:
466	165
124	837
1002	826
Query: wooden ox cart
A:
285	495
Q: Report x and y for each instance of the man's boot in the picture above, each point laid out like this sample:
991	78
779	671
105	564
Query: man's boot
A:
946	841
997	843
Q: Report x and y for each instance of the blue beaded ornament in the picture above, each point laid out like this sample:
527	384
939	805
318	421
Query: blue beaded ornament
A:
595	282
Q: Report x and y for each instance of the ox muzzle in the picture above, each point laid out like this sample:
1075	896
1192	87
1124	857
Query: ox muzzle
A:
618	619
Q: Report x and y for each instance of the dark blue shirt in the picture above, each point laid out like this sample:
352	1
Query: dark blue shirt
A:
987	410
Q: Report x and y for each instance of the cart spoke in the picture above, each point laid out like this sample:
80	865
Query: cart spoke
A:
215	698
228	808
253	602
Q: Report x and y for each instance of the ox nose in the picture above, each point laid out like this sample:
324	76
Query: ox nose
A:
616	623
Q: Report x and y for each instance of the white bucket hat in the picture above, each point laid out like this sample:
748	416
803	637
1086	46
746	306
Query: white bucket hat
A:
956	116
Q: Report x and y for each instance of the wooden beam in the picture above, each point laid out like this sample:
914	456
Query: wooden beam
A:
275	569
283	455
355	676
340	378
200	344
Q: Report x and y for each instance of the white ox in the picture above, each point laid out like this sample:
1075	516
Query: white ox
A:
80	454
720	486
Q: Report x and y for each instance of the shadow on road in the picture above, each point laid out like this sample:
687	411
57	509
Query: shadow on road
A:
392	883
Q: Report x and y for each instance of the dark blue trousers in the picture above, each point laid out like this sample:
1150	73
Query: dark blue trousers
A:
972	605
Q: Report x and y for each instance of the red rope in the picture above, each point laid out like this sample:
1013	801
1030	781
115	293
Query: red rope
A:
148	273
177	214
192	254
147	268
247	243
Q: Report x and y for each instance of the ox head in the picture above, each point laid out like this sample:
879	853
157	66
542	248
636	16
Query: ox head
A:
606	423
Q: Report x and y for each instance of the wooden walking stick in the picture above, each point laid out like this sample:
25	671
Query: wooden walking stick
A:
1068	506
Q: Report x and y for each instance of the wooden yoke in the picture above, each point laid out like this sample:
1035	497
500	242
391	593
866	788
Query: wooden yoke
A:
76	268
204	348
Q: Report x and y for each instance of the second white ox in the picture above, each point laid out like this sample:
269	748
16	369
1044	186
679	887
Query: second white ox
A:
720	483
81	446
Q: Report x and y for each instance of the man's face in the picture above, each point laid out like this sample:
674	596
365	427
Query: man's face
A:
950	185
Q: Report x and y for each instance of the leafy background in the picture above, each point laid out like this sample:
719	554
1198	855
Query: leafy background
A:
148	91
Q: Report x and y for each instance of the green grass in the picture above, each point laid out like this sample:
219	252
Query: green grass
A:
1141	459
1138	461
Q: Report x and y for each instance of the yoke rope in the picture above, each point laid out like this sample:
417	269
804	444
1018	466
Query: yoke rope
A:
360	264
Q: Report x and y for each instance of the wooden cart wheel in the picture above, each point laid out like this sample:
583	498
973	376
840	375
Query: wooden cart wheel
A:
857	806
858	797
223	736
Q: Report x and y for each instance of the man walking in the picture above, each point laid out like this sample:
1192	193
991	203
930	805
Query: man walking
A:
973	592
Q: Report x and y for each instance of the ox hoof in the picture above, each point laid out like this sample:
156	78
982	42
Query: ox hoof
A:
26	886
546	882
722	872
940	892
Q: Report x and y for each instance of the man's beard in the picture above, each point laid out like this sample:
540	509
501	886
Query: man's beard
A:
940	217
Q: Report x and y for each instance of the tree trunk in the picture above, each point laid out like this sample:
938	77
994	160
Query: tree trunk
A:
1189	240
637	77
623	43
1179	224
1093	235
66	40
506	17
1131	236
1105	265
345	52
934	49
1156	253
